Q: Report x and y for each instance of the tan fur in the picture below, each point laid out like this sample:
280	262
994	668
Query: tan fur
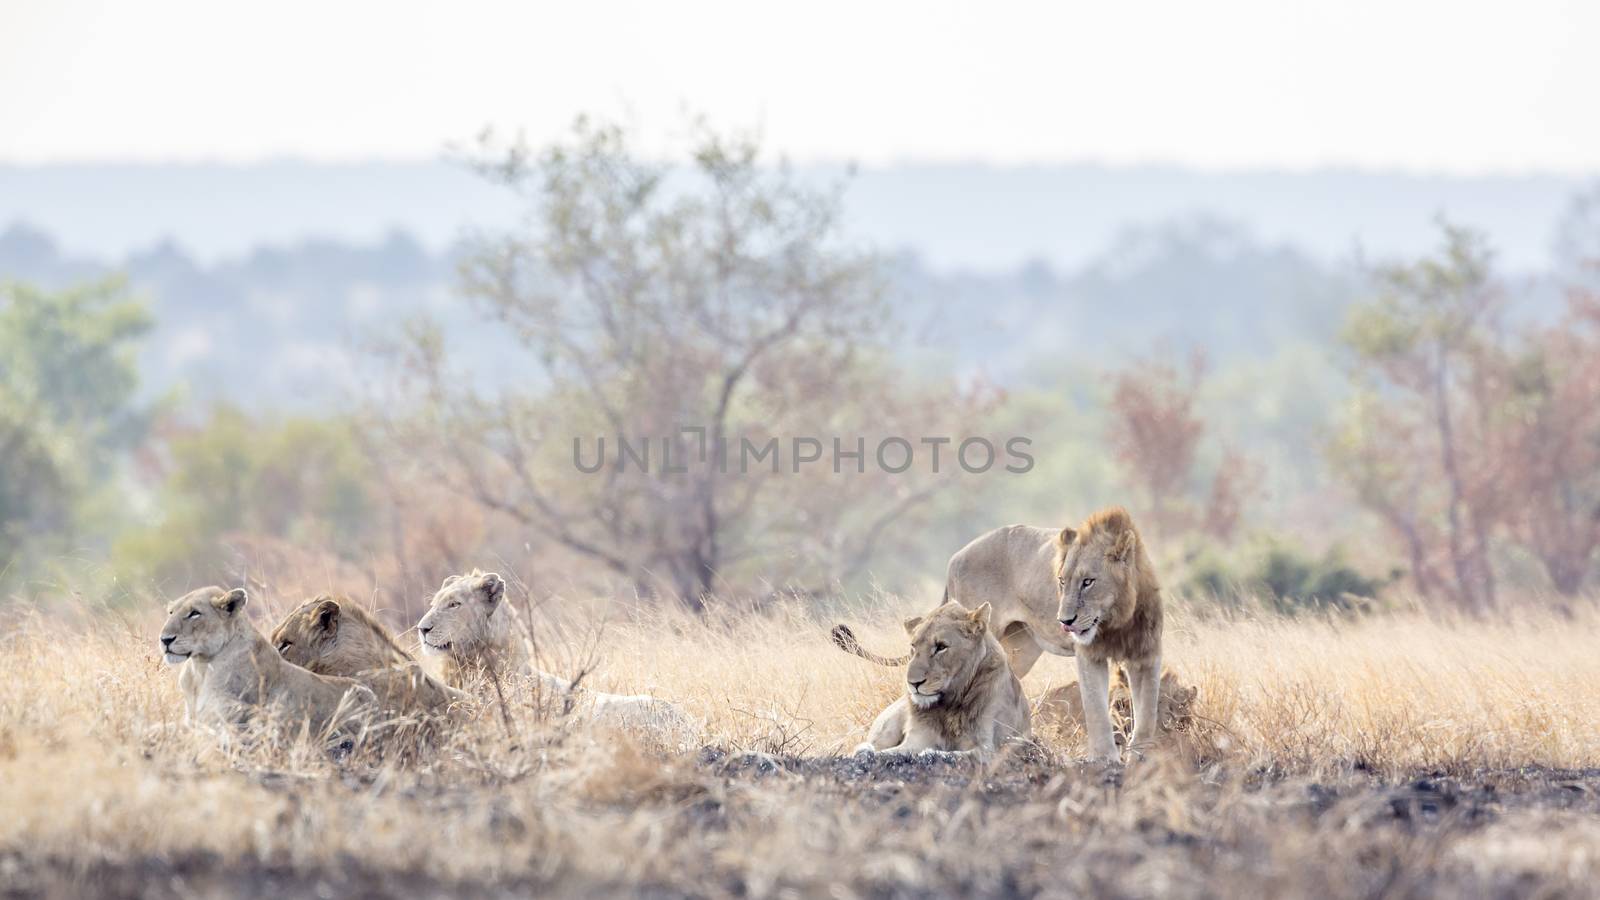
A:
335	636
1011	569
1062	706
468	628
230	674
315	635
961	695
1108	546
1111	606
846	640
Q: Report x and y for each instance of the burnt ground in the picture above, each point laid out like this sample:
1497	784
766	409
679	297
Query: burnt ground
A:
1022	826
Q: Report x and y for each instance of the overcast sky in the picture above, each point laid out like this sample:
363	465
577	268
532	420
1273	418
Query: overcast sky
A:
1456	86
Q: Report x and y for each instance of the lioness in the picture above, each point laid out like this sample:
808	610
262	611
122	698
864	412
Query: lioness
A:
961	696
230	673
1110	605
333	636
1011	569
468	625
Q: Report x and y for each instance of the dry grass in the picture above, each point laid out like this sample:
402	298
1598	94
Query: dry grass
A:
1388	755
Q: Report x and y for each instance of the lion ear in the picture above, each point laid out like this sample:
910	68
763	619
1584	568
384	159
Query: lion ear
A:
979	618
1126	543
449	580
1065	538
493	587
912	623
327	616
231	602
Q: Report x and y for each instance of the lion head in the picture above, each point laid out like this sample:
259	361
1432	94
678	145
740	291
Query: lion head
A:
946	647
201	623
462	618
333	636
1098	574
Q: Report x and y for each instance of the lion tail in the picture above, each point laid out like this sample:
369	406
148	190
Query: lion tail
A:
845	640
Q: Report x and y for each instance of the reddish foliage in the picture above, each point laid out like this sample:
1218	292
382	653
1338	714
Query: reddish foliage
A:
1157	434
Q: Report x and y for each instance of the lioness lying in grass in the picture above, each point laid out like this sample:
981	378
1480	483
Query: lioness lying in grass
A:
468	628
334	636
960	697
230	675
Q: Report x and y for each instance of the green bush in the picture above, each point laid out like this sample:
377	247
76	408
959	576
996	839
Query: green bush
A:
1285	580
69	412
301	479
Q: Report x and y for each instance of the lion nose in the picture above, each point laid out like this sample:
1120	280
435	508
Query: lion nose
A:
167	639
424	628
917	684
1067	622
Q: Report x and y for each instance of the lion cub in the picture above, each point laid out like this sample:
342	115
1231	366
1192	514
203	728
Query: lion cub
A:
230	673
961	695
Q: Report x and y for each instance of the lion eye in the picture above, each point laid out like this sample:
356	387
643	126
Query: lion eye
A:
193	614
453	604
284	647
940	646
1087	582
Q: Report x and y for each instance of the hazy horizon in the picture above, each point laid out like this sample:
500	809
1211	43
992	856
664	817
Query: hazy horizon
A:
956	217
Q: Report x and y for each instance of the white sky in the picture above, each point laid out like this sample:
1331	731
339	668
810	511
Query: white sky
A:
1454	86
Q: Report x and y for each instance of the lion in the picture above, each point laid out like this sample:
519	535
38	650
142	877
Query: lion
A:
1012	570
229	672
468	627
961	695
1062	705
1111	607
333	636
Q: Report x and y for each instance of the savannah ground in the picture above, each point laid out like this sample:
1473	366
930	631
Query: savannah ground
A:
1386	755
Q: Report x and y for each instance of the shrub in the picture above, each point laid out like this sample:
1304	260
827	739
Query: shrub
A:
1286	580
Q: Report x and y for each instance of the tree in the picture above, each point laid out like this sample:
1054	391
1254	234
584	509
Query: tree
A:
691	313
1417	441
241	479
68	410
1547	435
1157	433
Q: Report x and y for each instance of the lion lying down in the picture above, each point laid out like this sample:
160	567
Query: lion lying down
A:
230	675
961	695
333	636
1062	706
468	627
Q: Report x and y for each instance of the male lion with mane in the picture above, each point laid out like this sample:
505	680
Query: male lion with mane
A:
1110	605
961	695
468	626
334	636
229	673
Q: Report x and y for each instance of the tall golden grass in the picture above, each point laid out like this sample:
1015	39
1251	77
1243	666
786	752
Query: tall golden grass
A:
97	768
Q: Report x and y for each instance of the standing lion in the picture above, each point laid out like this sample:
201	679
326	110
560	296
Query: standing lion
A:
1012	570
1110	606
1088	592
